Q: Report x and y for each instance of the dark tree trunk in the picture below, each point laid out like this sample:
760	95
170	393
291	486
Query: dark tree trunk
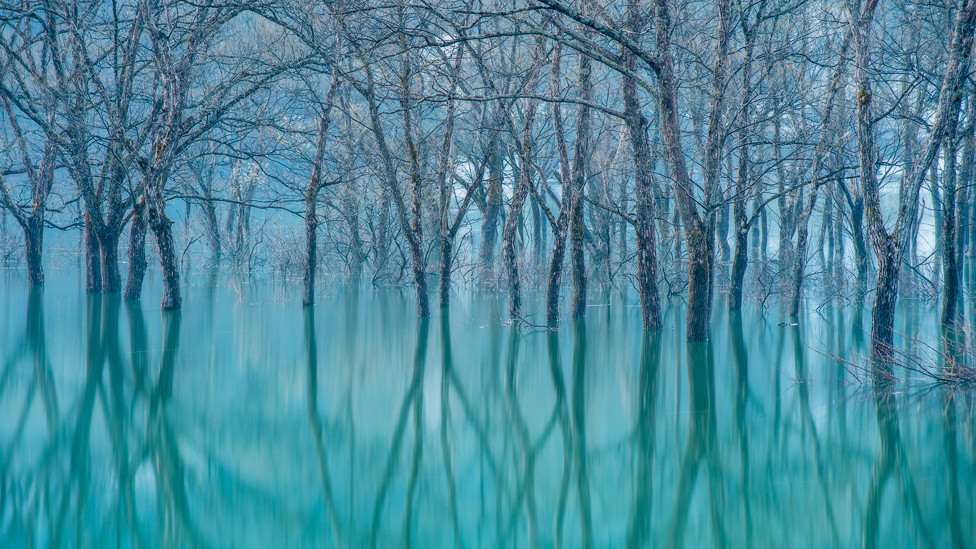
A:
860	244
699	293
698	230
739	261
883	314
561	227
510	230
137	253
493	206
951	275
162	229
739	220
34	243
93	266
311	249
312	197
556	267
109	256
447	257
637	126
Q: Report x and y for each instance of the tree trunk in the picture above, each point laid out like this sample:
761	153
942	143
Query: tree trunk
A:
699	231
556	267
860	244
493	206
93	266
34	243
699	294
740	222
510	230
883	313
311	241
447	257
137	253
950	267
637	126
162	229
108	245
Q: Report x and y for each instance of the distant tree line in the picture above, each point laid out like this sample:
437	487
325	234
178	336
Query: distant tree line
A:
673	146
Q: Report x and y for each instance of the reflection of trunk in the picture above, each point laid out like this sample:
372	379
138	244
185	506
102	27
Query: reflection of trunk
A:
447	366
645	423
562	410
700	436
415	386
952	470
740	358
526	484
312	410
162	229
137	252
804	393
81	438
890	455
578	423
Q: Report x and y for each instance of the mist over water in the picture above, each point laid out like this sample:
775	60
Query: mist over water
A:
248	421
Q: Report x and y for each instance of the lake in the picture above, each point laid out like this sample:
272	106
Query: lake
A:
247	421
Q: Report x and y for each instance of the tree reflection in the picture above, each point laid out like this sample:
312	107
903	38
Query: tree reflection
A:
579	431
412	401
740	359
562	410
891	461
312	410
699	446
645	421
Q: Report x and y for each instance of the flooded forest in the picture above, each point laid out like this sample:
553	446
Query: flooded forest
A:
477	273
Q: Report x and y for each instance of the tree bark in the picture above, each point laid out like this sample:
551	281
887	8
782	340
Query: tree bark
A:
576	223
315	184
698	231
510	230
561	227
93	266
637	127
108	246
952	278
493	206
162	229
137	252
34	243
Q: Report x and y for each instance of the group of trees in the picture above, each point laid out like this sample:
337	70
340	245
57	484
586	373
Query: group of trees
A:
655	142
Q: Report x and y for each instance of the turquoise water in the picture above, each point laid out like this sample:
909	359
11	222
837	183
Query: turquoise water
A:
248	421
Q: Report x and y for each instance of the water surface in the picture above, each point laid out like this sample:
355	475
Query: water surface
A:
248	421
